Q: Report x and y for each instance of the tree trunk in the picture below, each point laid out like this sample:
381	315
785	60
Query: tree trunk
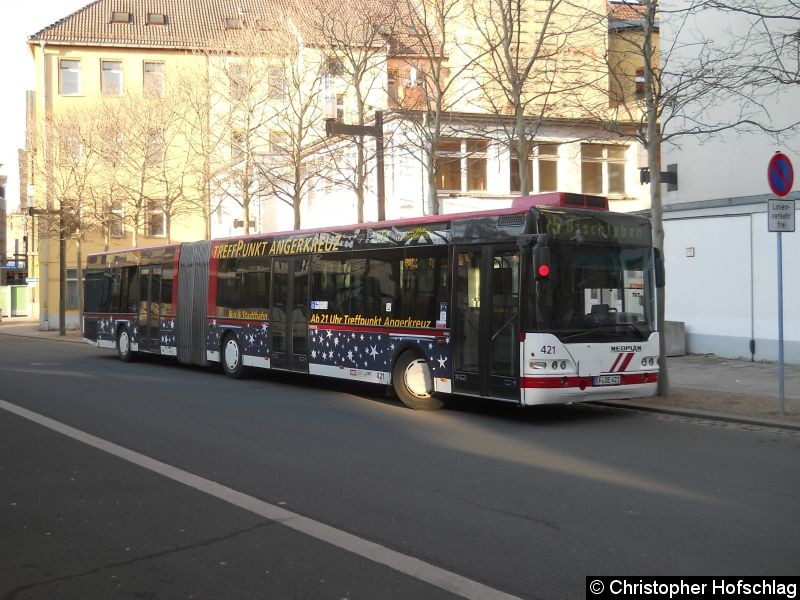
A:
654	166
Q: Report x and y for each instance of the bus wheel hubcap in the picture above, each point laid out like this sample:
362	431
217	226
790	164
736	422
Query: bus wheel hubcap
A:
124	344
417	379
231	355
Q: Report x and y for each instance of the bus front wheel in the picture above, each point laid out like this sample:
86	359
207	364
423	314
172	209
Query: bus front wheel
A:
413	382
124	344
232	357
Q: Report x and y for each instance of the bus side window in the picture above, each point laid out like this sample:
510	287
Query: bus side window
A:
130	300
330	282
167	276
424	283
97	286
374	287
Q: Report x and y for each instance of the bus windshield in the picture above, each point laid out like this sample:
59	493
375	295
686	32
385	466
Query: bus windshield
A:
596	293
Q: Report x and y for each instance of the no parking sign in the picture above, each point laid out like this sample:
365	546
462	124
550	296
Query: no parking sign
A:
780	174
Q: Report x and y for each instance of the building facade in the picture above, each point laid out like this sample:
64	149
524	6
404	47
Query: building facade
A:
721	259
159	121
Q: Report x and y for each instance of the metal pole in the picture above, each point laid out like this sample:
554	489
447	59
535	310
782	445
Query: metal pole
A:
780	324
62	270
379	160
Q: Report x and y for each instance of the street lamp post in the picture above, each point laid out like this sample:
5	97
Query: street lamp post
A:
376	131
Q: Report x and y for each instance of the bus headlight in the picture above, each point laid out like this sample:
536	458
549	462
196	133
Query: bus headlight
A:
537	364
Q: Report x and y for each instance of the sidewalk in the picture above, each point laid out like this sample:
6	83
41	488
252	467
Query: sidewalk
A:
703	386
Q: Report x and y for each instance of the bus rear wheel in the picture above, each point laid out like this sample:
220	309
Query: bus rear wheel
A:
232	359
413	383
124	344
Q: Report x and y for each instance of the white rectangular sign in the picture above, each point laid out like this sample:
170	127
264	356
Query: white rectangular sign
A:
780	215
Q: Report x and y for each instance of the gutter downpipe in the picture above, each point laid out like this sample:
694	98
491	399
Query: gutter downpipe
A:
44	267
752	298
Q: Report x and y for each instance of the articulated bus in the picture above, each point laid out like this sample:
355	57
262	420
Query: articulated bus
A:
550	301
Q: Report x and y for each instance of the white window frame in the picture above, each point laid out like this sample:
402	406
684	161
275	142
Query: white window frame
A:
72	298
464	155
605	160
115	73
155	147
155	208
70	149
277	84
62	70
116	227
153	81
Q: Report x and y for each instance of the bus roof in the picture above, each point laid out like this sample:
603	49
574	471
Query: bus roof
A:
519	205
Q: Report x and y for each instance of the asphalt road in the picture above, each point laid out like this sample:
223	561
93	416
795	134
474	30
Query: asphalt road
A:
162	481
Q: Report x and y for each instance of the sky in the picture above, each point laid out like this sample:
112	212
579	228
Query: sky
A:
18	20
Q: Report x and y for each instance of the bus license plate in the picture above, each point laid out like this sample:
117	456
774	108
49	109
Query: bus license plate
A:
607	380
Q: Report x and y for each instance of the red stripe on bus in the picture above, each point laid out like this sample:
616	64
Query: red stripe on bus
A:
616	362
584	382
626	362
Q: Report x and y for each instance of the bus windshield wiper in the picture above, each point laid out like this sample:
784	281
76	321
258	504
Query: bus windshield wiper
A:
602	329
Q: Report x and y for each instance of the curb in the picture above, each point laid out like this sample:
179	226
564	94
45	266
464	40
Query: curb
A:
700	414
42	336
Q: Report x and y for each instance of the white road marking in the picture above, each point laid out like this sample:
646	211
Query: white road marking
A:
418	569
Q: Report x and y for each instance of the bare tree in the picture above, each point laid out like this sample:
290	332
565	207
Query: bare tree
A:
536	62
354	39
436	88
68	171
202	118
242	109
296	125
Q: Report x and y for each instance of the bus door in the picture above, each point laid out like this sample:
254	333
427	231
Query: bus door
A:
150	308
486	321
289	313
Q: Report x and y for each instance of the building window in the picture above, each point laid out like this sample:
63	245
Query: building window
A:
116	219
156	19
72	300
476	165
154	79
547	162
155	225
448	164
112	146
237	76
70	149
391	84
120	17
416	78
616	170
603	169
638	81
455	157
69	81
111	81
340	108
233	23
238	146
516	183
279	142
277	84
542	169
155	147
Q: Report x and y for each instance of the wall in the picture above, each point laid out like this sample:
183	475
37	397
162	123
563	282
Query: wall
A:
726	294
